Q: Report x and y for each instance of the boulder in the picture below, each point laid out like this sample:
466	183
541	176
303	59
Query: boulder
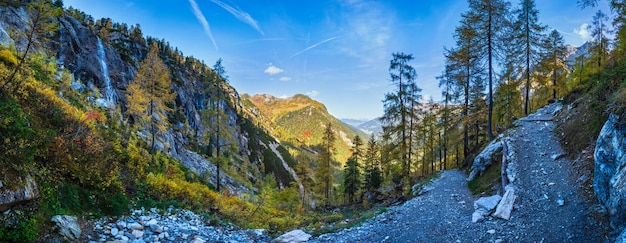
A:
293	237
505	206
24	193
483	207
609	182
484	159
68	226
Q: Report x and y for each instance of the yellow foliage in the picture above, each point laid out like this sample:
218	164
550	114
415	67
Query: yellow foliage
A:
7	57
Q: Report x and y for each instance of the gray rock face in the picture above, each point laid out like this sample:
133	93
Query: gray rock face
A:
293	236
28	191
484	159
609	182
68	226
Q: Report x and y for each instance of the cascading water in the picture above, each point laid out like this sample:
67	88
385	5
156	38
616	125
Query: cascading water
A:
108	93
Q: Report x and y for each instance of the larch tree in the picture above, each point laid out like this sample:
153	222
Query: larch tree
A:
492	17
149	94
399	117
324	173
599	31
553	61
529	38
218	134
40	27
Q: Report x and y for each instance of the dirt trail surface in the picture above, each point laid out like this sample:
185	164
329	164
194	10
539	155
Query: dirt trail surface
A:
551	205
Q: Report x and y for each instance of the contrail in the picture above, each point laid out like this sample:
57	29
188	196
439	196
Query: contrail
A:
313	46
202	20
241	15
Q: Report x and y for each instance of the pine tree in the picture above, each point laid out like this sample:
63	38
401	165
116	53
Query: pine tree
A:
553	61
149	94
398	119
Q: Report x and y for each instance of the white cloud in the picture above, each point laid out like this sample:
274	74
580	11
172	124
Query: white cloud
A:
241	15
312	93
273	70
583	31
285	79
205	24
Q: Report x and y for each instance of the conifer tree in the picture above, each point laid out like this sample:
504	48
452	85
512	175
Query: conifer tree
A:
324	173
530	38
599	32
553	61
215	119
352	171
490	19
149	94
399	116
38	29
371	159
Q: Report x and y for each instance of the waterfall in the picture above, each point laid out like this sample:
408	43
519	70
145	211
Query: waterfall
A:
107	93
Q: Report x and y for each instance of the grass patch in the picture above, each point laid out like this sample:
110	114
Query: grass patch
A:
488	181
351	218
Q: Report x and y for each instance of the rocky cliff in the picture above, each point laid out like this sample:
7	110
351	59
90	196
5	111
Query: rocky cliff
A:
103	58
609	182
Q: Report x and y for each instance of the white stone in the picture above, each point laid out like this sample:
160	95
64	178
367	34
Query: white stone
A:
293	236
487	203
138	233
479	215
68	226
135	226
491	231
198	239
560	202
505	206
114	231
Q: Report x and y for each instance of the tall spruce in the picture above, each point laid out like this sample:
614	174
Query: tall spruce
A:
149	94
352	170
371	159
399	117
599	31
553	61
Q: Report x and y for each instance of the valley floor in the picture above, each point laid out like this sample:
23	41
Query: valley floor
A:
551	204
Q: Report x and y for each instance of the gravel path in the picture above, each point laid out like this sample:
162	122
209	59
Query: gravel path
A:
551	206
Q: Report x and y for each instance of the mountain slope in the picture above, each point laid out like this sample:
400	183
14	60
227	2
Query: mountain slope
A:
302	120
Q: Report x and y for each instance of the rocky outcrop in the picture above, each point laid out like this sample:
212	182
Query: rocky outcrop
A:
609	182
24	193
485	159
68	226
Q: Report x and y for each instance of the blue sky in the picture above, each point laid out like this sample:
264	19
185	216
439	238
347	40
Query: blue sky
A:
336	51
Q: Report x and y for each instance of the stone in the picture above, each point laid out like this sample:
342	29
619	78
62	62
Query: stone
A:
484	159
24	192
114	231
68	226
557	156
479	215
491	231
560	202
609	176
155	228
505	206
488	203
135	226
138	234
293	236
198	239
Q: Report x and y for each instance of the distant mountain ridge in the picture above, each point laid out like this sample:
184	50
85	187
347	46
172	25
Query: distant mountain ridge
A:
301	121
369	127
